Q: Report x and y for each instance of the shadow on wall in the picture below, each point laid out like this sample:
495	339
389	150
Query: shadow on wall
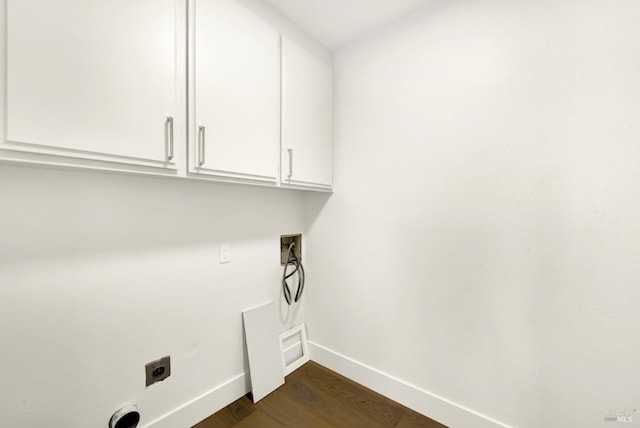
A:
57	213
314	205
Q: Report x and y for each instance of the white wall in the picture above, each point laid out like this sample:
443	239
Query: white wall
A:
483	241
100	274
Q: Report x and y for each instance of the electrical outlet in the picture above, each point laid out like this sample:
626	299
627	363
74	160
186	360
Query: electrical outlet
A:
225	252
158	370
285	241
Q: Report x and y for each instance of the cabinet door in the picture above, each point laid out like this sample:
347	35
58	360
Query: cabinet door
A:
236	62
92	79
307	119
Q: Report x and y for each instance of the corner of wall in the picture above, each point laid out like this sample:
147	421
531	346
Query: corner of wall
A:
433	406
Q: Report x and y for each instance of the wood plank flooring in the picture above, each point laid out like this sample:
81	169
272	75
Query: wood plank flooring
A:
314	396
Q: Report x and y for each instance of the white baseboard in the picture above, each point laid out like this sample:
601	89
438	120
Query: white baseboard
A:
440	409
205	405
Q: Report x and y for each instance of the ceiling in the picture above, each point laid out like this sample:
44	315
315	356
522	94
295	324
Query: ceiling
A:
335	23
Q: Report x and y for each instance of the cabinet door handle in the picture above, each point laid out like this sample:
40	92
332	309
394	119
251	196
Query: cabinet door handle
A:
290	152
201	153
168	137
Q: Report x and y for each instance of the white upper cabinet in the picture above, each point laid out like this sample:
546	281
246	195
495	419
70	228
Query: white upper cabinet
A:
190	88
93	79
307	119
235	90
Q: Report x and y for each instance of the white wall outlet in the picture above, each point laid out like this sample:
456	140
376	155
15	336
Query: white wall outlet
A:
225	252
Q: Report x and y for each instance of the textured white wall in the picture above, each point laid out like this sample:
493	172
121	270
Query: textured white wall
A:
483	241
100	274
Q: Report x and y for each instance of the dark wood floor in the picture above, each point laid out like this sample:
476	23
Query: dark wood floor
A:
314	396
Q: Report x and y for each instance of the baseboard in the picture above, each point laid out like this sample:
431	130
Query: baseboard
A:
205	405
440	409
444	411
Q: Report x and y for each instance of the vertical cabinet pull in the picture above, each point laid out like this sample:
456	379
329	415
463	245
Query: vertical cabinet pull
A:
201	154
290	152
168	137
